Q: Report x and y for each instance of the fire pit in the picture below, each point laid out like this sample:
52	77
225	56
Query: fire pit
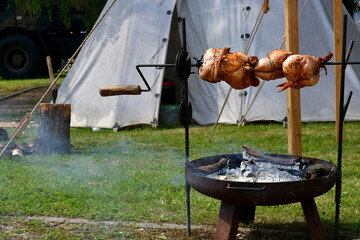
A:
239	199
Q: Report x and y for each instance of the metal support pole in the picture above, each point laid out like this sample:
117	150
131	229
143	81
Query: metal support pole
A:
340	133
186	125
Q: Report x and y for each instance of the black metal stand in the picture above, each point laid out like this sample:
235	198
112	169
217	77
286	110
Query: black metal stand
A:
342	112
183	70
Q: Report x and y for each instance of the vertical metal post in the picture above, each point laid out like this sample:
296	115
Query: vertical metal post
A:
341	116
187	144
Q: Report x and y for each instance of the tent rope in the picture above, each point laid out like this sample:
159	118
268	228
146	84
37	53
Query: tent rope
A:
71	59
259	18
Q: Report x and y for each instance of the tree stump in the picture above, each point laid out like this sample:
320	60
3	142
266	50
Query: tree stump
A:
53	136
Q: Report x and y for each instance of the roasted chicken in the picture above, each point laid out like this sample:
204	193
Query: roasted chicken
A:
303	70
271	67
241	71
234	68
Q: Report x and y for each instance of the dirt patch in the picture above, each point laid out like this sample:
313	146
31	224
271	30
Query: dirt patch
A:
15	106
65	228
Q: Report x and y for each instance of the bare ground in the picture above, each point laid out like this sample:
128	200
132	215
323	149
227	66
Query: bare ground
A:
62	228
14	107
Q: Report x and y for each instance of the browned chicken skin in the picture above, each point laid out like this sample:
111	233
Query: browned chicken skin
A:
270	67
241	71
234	68
303	70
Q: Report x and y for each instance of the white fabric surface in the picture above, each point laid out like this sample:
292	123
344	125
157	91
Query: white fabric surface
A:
133	33
221	23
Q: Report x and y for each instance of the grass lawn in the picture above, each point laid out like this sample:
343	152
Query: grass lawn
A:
8	86
138	175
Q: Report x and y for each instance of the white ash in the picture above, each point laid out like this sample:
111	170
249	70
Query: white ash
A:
255	172
260	170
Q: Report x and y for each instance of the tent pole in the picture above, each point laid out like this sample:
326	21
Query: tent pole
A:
338	41
293	95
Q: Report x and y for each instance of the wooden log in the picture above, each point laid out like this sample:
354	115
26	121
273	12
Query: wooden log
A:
53	136
208	169
120	90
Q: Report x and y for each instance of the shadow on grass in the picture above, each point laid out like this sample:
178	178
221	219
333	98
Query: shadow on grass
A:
299	230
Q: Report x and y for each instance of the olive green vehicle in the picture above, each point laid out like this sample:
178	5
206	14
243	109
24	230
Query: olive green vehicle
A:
25	40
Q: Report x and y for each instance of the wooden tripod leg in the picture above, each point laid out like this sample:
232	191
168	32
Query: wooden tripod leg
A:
313	220
228	221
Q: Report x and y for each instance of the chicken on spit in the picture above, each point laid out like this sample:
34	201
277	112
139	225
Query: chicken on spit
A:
271	67
303	70
241	71
299	70
234	68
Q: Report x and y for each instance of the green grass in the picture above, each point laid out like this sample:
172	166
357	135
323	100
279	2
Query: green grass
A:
138	175
8	86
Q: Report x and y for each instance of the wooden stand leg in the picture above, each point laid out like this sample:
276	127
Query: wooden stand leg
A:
228	221
230	216
313	220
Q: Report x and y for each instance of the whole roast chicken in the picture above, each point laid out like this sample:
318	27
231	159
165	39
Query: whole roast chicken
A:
303	70
234	68
299	70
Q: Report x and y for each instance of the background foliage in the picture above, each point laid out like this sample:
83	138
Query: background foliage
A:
61	8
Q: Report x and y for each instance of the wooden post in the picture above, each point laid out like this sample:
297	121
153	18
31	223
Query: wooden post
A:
52	78
337	22
53	135
293	95
50	69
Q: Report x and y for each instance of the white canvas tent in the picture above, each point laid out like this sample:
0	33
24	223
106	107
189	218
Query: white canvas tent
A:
137	32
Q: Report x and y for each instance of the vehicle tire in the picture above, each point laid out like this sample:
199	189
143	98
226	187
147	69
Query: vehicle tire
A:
20	57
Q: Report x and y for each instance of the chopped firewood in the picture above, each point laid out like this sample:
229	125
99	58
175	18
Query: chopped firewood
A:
250	154
17	153
208	169
310	169
16	149
316	170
